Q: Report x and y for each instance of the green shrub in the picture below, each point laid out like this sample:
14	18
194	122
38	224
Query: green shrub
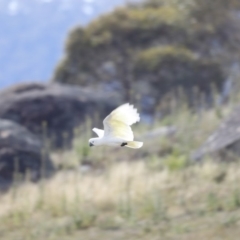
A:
175	161
151	59
172	67
157	41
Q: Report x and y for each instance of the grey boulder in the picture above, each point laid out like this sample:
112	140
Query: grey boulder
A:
53	110
21	152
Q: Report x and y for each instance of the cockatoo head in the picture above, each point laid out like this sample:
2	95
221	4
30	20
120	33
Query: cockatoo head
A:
94	142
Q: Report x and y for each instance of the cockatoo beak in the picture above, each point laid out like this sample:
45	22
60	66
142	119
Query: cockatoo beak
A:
90	144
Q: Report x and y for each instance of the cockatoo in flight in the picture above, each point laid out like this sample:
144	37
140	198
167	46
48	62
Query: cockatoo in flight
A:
117	130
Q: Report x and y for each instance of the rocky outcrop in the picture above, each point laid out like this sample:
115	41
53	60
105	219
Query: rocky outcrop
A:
53	110
224	142
21	152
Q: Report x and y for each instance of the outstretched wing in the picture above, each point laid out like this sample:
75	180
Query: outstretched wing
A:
99	132
117	123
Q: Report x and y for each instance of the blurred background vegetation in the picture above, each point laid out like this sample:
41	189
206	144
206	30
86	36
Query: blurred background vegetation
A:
162	45
177	61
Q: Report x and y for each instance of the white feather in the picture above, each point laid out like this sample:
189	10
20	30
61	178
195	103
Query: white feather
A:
99	132
126	113
117	123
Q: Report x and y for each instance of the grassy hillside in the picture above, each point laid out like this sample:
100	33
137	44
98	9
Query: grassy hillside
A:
155	192
128	200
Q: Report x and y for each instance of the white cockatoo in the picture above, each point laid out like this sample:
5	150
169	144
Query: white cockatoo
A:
117	130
